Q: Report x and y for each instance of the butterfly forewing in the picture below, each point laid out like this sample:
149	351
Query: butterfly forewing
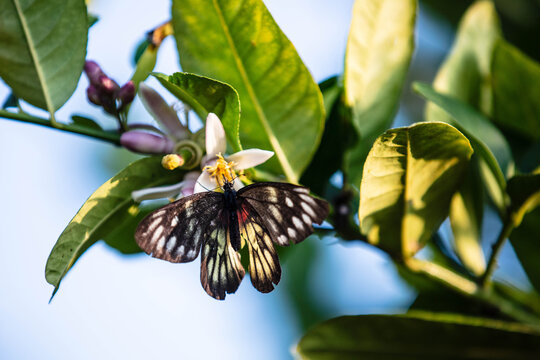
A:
287	211
176	231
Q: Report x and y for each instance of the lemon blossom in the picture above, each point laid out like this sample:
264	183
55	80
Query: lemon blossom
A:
218	167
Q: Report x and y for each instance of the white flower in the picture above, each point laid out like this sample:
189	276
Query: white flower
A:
218	168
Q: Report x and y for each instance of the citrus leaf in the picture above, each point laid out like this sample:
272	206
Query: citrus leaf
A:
85	122
238	42
409	178
205	95
526	244
418	335
379	50
466	212
99	213
465	74
485	138
43	49
516	90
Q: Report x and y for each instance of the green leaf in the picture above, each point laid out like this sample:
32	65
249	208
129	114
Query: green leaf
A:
146	63
98	215
379	50
11	101
418	335
337	137
516	90
526	244
122	236
465	74
485	138
524	192
409	178
205	95
85	122
43	49
238	42
92	20
466	212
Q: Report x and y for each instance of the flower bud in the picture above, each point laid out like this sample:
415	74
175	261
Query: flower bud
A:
93	72
146	143
108	85
93	95
126	94
172	161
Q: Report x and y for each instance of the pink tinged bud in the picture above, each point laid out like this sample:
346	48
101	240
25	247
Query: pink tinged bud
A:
126	94
108	85
162	112
146	143
93	95
93	72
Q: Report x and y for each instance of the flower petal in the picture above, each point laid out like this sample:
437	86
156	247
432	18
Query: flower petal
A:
246	159
146	143
162	112
158	192
204	183
215	136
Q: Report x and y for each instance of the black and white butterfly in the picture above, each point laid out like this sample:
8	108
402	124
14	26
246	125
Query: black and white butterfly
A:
220	223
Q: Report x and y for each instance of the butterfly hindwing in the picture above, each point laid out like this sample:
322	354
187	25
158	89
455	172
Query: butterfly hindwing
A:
221	269
286	210
176	231
264	267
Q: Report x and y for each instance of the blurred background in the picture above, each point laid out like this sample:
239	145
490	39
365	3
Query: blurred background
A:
115	306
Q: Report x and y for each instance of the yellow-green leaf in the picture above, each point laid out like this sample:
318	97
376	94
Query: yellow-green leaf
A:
409	178
465	74
379	49
238	42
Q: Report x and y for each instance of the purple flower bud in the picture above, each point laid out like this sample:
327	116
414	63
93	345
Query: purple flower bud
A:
93	72
108	85
145	143
126	94
93	95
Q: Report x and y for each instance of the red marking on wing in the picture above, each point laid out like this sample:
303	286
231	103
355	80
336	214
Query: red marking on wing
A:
242	215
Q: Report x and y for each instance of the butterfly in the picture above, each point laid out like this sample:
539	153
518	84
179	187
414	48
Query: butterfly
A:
219	224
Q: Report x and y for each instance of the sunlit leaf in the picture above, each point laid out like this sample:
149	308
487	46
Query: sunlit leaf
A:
205	95
465	74
466	211
43	49
98	215
418	335
409	178
238	42
485	138
516	90
379	49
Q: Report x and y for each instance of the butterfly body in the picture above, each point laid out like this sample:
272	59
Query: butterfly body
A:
216	224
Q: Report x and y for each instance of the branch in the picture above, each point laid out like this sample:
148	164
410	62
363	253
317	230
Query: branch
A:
508	226
113	138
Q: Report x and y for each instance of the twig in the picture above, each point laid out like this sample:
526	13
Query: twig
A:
508	226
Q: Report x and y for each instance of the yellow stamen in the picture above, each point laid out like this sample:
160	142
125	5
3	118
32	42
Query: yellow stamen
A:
222	171
172	161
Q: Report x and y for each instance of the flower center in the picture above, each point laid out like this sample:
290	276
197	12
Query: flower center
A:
222	171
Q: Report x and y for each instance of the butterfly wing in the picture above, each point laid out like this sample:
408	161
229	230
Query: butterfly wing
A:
221	269
286	210
176	231
264	265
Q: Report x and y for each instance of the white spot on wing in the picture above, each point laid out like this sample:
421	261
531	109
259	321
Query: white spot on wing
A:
160	244
308	199
180	250
153	224
298	223
291	232
307	219
157	234
171	243
174	221
282	239
289	202
308	209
